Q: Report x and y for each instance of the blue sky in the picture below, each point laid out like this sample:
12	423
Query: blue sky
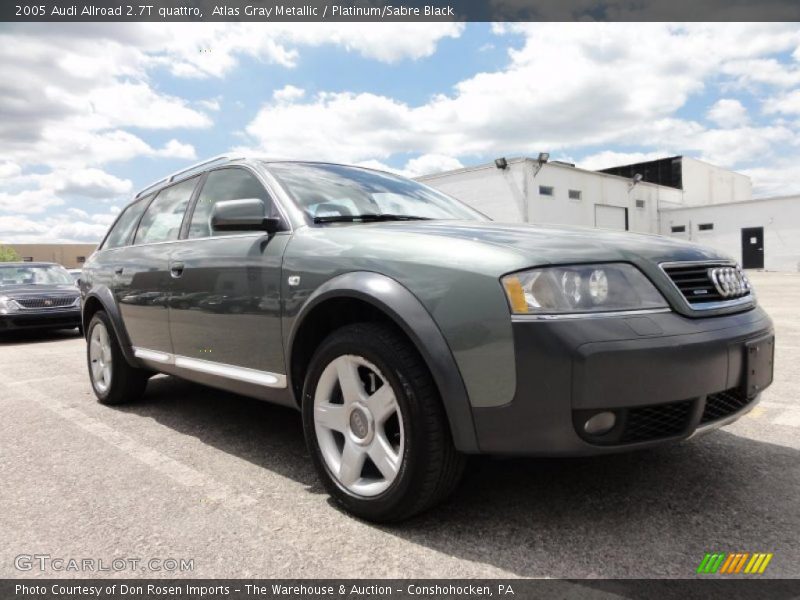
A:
91	113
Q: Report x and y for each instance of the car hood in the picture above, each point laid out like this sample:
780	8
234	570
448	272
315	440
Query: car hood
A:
545	244
20	291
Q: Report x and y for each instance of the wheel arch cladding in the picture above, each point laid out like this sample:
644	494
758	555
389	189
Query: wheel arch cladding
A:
369	296
102	299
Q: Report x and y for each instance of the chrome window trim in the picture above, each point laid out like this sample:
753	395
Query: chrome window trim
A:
590	315
749	299
213	237
276	193
245	374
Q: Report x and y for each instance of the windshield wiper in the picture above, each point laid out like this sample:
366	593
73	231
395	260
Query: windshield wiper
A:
370	218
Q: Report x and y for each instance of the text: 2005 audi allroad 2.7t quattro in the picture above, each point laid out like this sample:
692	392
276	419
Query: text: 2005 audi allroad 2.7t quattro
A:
410	330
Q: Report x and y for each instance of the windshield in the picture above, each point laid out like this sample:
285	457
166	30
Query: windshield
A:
334	192
33	275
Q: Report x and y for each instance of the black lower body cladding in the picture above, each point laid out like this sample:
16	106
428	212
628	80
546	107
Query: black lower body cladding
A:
55	319
663	377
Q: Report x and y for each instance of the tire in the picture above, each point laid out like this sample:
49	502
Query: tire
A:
400	455
114	381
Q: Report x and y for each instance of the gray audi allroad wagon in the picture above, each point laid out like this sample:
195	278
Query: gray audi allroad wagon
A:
411	330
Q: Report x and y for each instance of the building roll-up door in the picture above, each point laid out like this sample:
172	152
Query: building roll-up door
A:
610	217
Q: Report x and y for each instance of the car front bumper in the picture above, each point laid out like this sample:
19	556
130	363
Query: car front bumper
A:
665	377
41	319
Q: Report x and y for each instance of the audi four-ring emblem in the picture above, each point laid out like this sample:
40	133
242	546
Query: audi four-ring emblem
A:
729	281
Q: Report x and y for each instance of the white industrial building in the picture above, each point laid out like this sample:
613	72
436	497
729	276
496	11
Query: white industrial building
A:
676	196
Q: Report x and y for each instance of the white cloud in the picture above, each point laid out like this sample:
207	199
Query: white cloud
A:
13	227
43	193
568	86
787	104
92	183
175	149
128	104
212	49
78	213
779	178
288	93
431	163
728	112
213	104
9	169
59	228
71	94
29	201
425	164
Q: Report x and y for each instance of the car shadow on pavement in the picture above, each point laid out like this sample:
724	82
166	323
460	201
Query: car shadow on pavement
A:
264	434
652	513
35	336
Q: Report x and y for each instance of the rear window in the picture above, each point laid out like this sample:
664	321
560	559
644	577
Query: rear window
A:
162	219
122	230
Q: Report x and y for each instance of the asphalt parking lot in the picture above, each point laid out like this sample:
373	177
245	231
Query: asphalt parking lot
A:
192	473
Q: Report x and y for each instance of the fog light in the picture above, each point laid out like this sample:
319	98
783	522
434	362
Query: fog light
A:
600	423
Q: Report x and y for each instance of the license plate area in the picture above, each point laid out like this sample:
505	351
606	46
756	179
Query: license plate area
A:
759	364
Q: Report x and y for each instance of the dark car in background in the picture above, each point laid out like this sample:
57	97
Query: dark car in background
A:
410	330
38	296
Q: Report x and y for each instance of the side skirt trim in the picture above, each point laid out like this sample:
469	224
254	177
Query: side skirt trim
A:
265	378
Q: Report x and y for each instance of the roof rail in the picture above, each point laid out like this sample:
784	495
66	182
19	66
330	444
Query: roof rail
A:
188	170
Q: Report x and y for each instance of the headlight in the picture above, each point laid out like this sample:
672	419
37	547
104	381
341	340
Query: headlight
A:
7	305
77	301
581	289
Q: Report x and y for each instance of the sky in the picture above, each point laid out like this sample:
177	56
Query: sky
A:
89	113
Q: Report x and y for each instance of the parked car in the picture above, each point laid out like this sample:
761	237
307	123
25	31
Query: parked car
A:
410	330
37	296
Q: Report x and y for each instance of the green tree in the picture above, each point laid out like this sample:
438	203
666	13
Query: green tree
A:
8	254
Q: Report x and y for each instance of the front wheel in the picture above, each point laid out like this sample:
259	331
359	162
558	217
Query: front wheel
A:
375	425
114	381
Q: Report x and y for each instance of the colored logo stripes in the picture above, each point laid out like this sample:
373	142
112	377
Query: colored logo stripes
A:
734	563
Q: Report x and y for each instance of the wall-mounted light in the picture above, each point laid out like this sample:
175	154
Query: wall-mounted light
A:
501	163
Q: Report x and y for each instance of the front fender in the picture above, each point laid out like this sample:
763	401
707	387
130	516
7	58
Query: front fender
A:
104	296
410	315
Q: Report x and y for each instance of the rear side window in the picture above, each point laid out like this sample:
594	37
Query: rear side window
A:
122	231
162	219
225	184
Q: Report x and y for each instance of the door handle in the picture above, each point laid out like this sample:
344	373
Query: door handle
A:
118	271
176	269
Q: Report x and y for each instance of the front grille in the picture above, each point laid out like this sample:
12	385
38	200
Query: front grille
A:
697	285
45	301
654	422
723	404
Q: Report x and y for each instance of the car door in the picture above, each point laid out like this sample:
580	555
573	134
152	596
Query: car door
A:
225	308
101	270
142	280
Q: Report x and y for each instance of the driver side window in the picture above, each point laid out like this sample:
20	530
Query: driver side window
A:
225	184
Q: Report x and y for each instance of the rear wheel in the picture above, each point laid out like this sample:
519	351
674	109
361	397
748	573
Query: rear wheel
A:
114	381
375	425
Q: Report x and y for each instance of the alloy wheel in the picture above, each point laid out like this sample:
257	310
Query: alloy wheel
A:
359	425
100	357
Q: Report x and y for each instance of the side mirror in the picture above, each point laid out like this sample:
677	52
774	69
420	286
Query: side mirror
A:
243	215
